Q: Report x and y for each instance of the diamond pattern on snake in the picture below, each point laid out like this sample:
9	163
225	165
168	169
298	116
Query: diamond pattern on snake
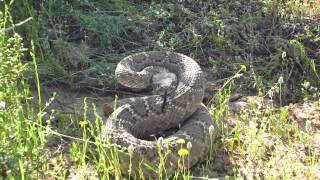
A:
178	86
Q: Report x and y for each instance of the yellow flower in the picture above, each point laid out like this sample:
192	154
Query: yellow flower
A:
83	123
181	141
243	67
183	152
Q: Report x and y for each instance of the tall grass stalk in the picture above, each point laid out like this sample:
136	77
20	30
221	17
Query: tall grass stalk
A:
32	53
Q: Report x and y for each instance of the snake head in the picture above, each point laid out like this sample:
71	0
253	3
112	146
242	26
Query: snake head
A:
164	83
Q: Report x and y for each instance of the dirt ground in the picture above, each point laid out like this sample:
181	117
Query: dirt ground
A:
70	104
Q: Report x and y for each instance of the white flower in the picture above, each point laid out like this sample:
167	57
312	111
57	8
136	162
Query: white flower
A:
2	105
211	130
308	126
160	142
131	149
280	80
189	145
283	55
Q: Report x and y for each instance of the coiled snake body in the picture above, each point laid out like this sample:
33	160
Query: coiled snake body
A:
179	83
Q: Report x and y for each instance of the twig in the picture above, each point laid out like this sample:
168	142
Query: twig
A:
16	25
131	42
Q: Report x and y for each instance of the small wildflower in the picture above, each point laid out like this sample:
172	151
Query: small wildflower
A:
189	145
2	105
181	141
130	149
160	141
211	130
308	126
183	152
272	172
306	84
83	123
283	55
243	67
280	80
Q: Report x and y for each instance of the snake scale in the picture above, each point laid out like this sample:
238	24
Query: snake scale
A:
178	88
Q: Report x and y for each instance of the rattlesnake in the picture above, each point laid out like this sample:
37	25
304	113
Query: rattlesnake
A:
179	83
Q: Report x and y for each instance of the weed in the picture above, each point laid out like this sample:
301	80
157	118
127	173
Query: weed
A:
78	43
22	141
